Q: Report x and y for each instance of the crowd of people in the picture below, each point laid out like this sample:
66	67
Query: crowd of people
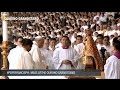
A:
61	40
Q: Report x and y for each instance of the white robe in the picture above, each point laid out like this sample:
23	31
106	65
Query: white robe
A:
80	49
13	56
26	60
47	55
61	54
112	68
37	57
20	59
51	64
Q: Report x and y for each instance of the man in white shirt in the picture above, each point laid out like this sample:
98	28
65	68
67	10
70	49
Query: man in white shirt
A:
65	57
26	61
112	66
36	53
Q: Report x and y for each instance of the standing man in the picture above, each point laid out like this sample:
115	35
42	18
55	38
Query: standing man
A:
52	44
22	58
15	53
65	57
26	61
36	53
52	49
79	45
47	53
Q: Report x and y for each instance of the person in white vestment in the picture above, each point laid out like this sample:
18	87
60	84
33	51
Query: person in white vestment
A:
79	47
112	66
26	61
23	59
14	53
65	57
47	53
36	53
52	44
52	48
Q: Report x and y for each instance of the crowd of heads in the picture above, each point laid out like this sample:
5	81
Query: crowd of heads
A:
54	25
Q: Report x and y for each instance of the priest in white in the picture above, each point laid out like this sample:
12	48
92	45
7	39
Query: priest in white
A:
65	57
79	47
47	53
52	48
14	53
112	66
22	58
36	53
